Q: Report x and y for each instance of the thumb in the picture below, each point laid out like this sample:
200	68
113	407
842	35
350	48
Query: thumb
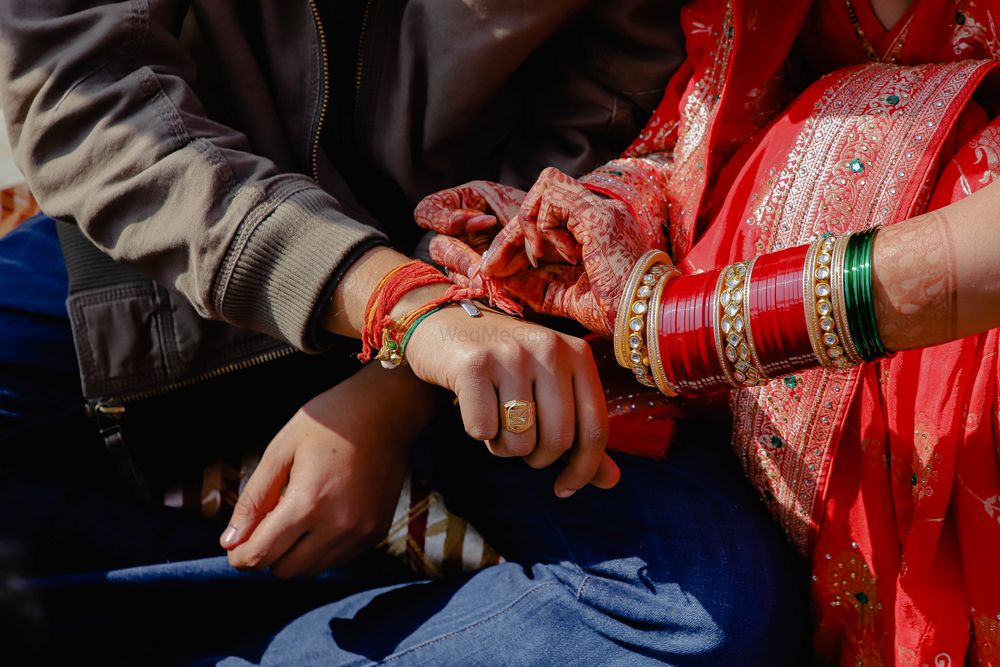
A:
259	496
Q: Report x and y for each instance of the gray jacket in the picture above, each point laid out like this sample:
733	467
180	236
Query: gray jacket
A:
186	145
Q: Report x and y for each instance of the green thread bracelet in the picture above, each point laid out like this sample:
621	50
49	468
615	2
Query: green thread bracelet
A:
413	327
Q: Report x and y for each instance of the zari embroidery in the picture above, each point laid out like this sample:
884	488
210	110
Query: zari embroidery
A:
691	151
973	37
844	582
864	157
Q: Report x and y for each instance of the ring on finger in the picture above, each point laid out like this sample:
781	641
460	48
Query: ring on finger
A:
517	416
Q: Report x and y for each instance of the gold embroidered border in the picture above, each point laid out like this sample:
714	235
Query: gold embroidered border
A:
886	117
691	151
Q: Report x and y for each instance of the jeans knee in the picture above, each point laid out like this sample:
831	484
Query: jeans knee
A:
747	609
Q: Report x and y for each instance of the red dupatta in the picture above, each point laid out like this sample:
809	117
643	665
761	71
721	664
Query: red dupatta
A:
885	476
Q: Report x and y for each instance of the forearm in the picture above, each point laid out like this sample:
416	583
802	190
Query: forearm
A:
937	277
345	313
112	137
837	302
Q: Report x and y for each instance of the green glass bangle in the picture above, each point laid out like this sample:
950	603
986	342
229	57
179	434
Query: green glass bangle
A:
867	283
413	327
851	295
859	286
855	296
859	295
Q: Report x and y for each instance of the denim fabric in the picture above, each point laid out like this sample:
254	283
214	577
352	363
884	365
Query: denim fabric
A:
39	378
678	565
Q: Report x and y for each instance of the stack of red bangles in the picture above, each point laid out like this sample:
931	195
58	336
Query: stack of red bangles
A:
751	321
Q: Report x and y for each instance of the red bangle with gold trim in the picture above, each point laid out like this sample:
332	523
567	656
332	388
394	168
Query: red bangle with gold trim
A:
777	312
687	344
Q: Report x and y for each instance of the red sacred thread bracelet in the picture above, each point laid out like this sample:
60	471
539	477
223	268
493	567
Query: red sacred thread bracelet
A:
379	328
391	288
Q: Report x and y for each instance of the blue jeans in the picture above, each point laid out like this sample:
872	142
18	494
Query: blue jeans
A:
680	565
39	379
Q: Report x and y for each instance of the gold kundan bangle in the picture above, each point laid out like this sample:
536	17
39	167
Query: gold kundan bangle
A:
808	270
732	342
824	332
653	336
728	277
638	288
755	375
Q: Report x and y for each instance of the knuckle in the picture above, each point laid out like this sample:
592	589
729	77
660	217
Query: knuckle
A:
594	436
580	348
512	353
477	361
479	431
549	351
561	440
246	505
343	522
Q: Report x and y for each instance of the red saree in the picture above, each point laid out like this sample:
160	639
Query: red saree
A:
885	476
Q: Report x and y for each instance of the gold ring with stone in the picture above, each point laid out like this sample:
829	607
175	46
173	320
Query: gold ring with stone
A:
518	416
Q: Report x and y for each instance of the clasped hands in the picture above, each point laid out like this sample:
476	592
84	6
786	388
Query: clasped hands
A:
327	483
560	249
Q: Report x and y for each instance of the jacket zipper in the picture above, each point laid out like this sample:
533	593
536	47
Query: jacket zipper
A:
109	414
325	98
115	407
359	63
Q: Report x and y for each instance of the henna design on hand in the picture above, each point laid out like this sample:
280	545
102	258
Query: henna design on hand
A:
916	283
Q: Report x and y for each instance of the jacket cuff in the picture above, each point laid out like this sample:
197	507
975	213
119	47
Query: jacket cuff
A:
289	266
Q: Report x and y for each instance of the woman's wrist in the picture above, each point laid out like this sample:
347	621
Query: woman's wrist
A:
752	321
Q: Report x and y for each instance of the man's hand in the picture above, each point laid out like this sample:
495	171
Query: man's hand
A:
327	485
493	359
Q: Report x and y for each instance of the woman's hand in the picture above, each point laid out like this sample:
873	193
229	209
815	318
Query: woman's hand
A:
489	360
471	213
327	484
561	213
467	218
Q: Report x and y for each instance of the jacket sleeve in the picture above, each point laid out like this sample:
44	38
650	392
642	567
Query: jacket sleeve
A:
111	137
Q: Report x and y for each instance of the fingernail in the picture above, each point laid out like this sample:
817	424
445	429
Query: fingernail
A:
565	493
229	535
531	255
